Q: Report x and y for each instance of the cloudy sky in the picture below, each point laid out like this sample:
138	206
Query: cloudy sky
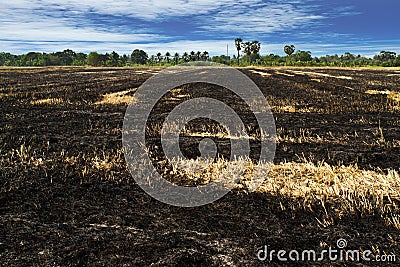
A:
323	27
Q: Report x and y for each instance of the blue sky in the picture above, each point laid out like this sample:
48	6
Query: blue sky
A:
323	27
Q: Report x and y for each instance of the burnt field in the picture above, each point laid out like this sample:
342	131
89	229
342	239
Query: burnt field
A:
67	198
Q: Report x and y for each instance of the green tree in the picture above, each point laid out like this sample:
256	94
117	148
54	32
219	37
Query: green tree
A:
238	44
94	59
252	49
167	56
139	57
114	59
176	58
205	56
303	56
198	56
53	60
159	57
222	59
387	55
34	59
186	57
80	60
192	56
7	59
247	48
255	51
255	47
124	59
289	49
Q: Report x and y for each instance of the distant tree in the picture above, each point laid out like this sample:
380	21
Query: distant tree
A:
152	59
176	58
6	59
33	59
186	57
255	47
387	55
222	59
396	62
198	55
247	48
66	57
238	44
114	58
94	59
303	56
205	56
124	59
80	59
159	57
192	56
348	57
139	57
289	49
251	49
167	56
105	59
255	51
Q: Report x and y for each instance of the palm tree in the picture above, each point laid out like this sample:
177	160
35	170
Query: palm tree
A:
185	57
167	55
159	57
205	56
198	55
255	50
247	49
289	49
255	47
238	44
192	56
176	58
153	59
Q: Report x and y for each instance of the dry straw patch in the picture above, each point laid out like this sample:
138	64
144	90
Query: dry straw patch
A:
336	190
395	96
264	74
117	98
321	75
375	92
48	101
284	74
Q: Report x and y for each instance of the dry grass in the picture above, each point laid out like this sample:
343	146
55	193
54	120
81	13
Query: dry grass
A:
284	74
375	92
313	74
47	101
338	190
262	73
117	98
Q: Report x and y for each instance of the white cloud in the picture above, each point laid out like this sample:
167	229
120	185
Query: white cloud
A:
60	20
38	21
267	18
143	9
60	31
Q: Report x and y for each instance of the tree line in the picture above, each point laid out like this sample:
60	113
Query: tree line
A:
248	53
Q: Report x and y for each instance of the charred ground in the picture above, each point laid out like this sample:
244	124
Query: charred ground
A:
67	198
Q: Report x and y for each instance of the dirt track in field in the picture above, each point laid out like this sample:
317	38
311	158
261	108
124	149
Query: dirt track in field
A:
67	198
